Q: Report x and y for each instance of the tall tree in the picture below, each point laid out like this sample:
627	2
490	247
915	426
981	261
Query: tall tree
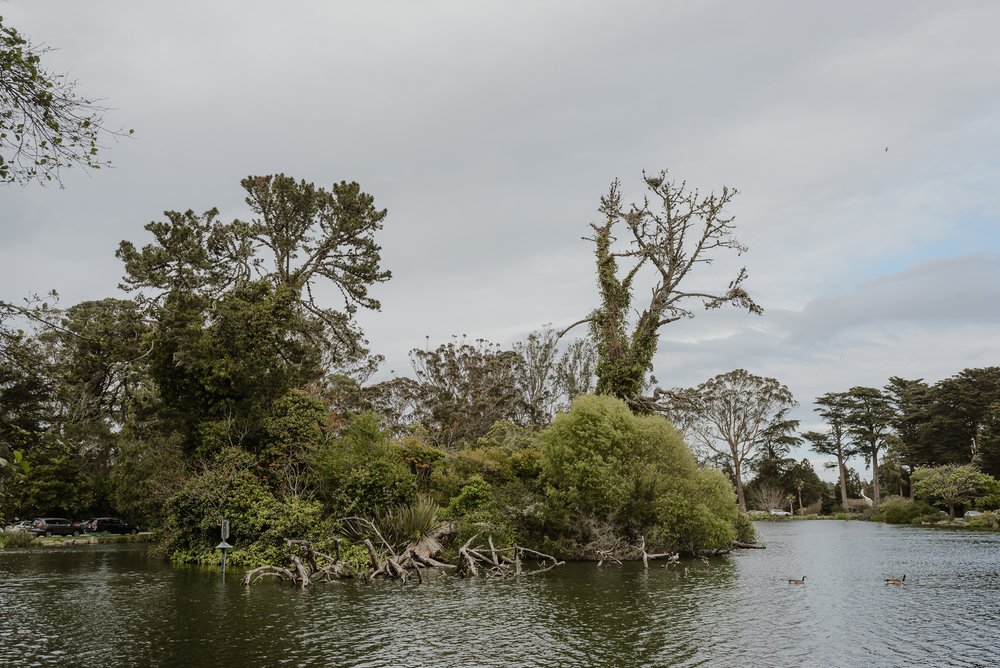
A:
45	125
672	232
912	401
300	238
548	377
316	235
989	439
959	413
728	415
25	400
869	423
833	407
463	388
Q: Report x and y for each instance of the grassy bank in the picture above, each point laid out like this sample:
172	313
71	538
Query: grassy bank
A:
23	539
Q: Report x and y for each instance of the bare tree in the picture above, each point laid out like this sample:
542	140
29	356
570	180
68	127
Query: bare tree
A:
727	415
549	378
767	496
671	232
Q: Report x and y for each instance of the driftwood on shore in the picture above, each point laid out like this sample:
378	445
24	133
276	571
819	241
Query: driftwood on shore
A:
302	574
388	562
615	554
502	562
747	546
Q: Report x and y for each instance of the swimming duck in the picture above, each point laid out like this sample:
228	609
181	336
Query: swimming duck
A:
896	581
797	582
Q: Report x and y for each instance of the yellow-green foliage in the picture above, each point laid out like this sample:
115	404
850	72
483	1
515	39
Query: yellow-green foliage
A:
697	513
606	465
495	465
897	510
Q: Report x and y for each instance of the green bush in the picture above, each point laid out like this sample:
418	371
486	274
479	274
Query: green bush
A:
410	524
858	506
745	531
421	457
605	467
16	539
900	510
476	495
361	473
230	488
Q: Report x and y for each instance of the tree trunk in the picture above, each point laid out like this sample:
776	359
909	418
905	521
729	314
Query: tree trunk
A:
875	491
951	511
843	481
739	487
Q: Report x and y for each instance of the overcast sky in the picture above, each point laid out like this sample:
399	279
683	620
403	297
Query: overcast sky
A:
490	129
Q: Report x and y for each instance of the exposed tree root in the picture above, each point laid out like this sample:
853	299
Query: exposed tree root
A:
302	574
388	563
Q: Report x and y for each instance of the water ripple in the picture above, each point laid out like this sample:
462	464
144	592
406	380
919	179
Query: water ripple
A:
108	605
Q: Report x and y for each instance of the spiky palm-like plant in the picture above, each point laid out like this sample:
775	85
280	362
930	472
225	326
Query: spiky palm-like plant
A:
413	526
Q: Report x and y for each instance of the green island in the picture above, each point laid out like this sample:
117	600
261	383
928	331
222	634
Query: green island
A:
224	388
228	390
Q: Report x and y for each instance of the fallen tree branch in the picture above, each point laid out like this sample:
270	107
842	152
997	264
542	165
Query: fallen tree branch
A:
302	574
747	546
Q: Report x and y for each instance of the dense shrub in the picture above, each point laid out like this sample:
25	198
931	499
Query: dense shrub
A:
745	531
899	510
476	495
230	488
419	456
361	473
16	539
630	475
859	506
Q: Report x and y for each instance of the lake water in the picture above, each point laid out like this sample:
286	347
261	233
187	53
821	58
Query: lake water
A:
111	606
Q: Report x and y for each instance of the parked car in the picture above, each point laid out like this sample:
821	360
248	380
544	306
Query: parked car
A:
23	525
53	526
972	514
779	513
109	525
82	524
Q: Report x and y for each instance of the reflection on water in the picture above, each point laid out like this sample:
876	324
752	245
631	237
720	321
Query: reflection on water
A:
109	605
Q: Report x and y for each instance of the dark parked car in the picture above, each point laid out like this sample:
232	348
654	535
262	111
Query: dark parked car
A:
53	526
109	525
82	524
